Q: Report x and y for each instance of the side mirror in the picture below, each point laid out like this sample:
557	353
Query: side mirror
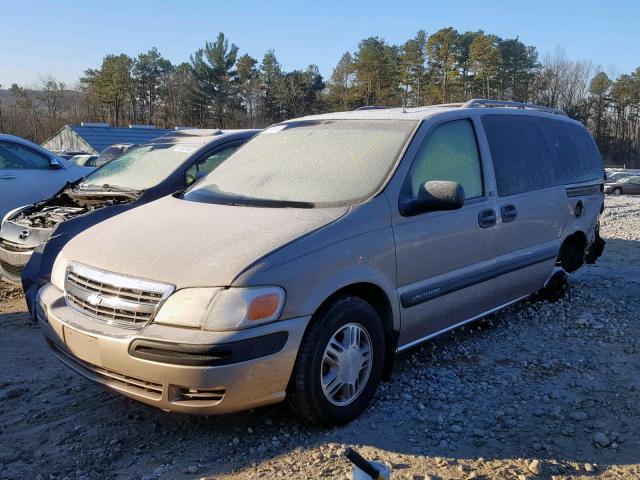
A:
55	164
434	196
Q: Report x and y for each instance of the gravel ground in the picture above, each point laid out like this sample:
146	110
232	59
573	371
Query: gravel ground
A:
537	391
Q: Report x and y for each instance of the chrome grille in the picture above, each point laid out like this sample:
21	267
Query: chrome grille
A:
112	298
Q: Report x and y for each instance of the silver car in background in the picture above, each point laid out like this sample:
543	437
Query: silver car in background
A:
323	246
627	185
140	175
84	160
29	173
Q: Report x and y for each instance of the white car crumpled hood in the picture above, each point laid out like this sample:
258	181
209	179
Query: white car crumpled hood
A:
191	244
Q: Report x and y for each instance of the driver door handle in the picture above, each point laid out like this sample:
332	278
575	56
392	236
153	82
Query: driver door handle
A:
7	177
487	218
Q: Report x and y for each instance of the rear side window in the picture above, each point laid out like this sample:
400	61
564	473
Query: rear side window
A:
531	153
450	153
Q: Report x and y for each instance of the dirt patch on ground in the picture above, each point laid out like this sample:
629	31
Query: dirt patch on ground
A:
537	391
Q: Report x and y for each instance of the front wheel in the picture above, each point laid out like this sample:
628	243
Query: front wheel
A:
617	191
339	363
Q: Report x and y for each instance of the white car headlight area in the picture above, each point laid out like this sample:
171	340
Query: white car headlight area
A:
222	309
13	213
59	271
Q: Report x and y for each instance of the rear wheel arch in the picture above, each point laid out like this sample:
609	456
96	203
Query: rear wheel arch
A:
572	251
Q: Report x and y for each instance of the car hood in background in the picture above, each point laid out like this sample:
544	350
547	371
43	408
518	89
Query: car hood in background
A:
191	244
74	171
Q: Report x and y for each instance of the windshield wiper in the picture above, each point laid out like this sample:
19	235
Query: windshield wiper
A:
259	202
249	202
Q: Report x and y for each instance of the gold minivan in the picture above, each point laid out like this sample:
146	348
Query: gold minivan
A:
323	246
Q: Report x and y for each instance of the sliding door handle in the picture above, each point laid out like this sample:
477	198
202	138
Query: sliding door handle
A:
509	213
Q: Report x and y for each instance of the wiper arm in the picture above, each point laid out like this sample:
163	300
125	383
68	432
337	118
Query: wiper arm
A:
245	201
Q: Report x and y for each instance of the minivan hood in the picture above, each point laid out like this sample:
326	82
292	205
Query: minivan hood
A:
191	244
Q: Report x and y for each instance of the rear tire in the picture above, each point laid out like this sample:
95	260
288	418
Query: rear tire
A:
617	191
339	364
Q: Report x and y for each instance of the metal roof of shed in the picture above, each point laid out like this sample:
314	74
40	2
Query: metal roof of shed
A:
100	138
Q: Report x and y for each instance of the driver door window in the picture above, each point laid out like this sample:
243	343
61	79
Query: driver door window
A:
208	164
16	156
450	153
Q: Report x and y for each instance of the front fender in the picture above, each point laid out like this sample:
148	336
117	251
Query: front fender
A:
313	277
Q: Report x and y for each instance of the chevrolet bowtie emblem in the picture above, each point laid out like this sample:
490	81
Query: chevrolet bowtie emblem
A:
94	300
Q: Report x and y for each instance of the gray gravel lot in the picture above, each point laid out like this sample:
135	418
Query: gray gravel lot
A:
537	391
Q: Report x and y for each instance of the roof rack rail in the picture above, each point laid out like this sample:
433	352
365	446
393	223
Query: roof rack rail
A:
453	104
482	102
370	107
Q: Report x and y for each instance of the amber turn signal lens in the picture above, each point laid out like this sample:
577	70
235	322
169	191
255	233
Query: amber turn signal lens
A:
263	307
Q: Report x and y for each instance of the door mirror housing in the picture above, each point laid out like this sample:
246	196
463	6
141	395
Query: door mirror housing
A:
435	196
55	164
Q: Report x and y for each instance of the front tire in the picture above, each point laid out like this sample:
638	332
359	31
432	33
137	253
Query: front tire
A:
339	364
617	191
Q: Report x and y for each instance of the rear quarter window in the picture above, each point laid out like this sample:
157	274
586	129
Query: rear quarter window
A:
532	153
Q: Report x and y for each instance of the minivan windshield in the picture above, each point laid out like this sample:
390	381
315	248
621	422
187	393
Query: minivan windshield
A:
140	168
308	163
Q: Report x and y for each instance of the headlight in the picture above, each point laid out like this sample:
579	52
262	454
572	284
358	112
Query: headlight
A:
219	309
59	271
188	307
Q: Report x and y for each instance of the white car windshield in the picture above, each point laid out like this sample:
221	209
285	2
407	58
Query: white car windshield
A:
141	168
308	163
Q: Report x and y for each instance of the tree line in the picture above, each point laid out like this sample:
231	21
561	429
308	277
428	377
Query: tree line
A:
219	88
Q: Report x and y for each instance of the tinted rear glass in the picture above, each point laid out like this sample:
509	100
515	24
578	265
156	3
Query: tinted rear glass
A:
531	153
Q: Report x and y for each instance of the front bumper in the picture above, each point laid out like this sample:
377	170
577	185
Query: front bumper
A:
12	261
197	375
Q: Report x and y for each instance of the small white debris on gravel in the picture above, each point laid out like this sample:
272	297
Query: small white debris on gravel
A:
535	467
554	382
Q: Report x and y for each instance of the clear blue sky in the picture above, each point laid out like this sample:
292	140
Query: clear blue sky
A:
63	37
